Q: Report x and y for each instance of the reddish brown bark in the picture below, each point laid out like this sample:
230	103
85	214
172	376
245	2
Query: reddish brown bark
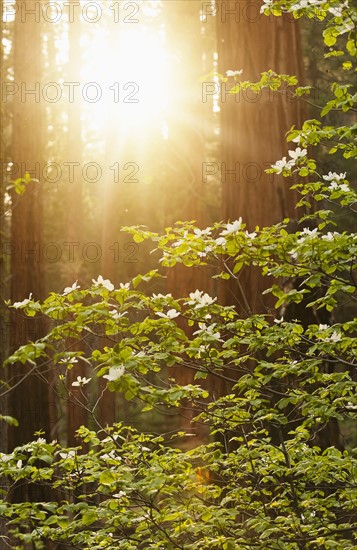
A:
29	401
253	128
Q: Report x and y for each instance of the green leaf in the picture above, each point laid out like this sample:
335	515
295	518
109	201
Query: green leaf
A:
9	420
107	478
89	517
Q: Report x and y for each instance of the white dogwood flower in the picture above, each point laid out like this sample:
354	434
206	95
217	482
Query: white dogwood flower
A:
267	4
232	227
306	233
68	454
209	330
81	381
115	373
202	232
103	282
281	164
199	299
69	289
116	315
250	235
24	302
234	73
298	153
221	241
124	286
161	295
333	176
171	314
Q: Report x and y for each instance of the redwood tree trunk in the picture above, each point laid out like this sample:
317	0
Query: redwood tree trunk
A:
253	128
29	399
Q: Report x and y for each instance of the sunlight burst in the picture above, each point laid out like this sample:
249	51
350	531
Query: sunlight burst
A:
127	81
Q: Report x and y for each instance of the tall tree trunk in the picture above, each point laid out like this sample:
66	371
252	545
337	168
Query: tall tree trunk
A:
3	239
29	399
253	128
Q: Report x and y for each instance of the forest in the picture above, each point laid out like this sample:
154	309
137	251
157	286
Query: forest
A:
178	249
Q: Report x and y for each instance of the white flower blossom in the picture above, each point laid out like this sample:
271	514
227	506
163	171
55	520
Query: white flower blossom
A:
112	455
333	176
221	241
335	336
281	164
202	232
267	5
24	302
200	299
6	458
329	236
68	360
298	153
305	4
232	227
19	464
115	373
306	233
124	286
234	73
333	186
103	282
162	295
250	235
337	10
278	321
339	187
81	381
116	315
68	454
344	187
69	289
171	314
178	243
209	330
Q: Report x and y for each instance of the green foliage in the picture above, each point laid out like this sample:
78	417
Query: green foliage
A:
270	477
19	185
